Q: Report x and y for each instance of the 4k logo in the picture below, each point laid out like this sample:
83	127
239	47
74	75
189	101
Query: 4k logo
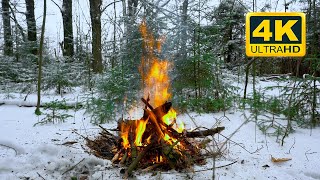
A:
275	34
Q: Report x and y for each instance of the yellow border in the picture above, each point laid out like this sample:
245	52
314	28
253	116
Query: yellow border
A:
303	33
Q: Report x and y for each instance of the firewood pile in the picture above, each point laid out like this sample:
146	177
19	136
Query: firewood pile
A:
155	141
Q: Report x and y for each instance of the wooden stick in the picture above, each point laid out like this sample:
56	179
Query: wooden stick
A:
147	104
116	156
124	157
105	130
135	162
159	111
155	123
152	167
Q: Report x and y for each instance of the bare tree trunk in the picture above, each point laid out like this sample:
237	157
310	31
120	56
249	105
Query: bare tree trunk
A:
8	45
68	48
114	58
95	14
31	25
38	112
184	29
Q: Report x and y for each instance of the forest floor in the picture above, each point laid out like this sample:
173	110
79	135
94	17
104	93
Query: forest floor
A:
28	152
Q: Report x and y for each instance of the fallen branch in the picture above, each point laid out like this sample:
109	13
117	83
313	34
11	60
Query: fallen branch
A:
204	133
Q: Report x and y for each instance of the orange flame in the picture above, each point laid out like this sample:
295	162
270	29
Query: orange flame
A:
156	81
124	135
140	128
154	71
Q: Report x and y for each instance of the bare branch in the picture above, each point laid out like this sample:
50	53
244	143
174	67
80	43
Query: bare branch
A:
57	6
14	18
109	5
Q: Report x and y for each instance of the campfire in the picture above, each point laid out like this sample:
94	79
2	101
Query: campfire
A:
157	139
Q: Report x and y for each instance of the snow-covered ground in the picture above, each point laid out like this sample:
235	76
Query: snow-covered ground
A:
28	152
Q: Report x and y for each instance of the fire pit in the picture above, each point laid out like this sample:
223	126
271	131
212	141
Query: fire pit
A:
156	140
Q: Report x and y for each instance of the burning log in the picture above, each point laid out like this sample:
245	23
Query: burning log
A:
154	120
135	162
156	130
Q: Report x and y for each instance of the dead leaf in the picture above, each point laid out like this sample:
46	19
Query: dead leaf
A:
266	166
279	160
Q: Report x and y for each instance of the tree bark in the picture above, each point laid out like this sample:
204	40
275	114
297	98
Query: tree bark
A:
68	48
95	14
8	45
31	26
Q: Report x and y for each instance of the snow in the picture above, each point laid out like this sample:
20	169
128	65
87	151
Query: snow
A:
31	152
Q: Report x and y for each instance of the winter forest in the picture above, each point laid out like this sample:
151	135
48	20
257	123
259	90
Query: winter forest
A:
154	89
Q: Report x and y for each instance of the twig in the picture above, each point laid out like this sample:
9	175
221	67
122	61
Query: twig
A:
228	139
309	153
294	142
57	6
227	164
73	166
40	176
216	167
105	130
10	148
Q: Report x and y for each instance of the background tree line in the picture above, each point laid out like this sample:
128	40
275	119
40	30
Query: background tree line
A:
203	40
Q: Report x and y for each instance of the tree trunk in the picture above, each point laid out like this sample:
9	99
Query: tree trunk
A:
40	55
184	29
8	45
31	25
68	49
114	56
95	14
